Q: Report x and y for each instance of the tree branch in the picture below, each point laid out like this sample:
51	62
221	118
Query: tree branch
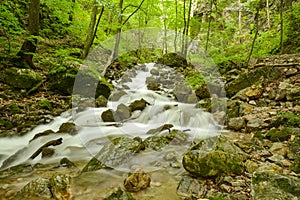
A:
133	12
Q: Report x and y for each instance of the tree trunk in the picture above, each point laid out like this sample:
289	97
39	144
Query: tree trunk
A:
187	30
176	16
281	26
240	17
89	38
256	33
118	36
208	28
268	14
184	27
29	46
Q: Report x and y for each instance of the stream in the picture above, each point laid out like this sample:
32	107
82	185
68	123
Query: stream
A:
171	104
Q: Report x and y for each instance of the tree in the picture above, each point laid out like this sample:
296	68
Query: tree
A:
29	46
93	27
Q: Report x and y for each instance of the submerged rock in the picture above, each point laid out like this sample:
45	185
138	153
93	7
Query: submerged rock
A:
60	186
214	156
267	185
137	181
119	194
117	152
190	187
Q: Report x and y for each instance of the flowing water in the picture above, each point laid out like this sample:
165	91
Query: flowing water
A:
93	133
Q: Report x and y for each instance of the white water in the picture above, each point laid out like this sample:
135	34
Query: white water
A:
93	132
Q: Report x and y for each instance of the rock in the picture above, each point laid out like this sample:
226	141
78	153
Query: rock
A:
68	127
156	142
50	143
119	151
233	108
154	71
251	166
65	162
108	116
36	189
116	95
101	101
47	152
245	80
122	113
44	133
276	135
60	186
160	129
236	123
214	156
254	124
182	93
138	105
278	148
153	86
20	78
296	165
173	60
137	181
119	194
270	185
190	187
202	92
254	92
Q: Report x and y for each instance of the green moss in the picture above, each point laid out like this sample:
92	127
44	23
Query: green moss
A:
276	135
14	108
44	104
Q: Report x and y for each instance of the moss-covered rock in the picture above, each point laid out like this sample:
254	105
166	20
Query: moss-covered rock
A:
68	127
276	135
137	181
20	78
267	185
138	105
245	80
214	156
173	60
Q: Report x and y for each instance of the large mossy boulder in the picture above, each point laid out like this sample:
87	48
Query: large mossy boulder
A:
69	80
117	152
213	157
267	185
20	78
245	80
173	60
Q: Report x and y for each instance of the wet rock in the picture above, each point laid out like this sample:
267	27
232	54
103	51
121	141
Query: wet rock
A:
154	71
271	185
182	93
65	162
20	78
202	92
68	127
119	194
122	113
190	187
137	181
108	116
44	133
50	143
156	142
236	123
173	60
36	189
138	105
60	186
214	156
101	101
119	151
245	80
160	129
153	86
47	152
116	95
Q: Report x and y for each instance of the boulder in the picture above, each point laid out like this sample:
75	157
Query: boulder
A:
236	123
68	127
138	105
137	181
267	185
108	116
122	113
190	187
173	60
116	152
214	156
245	80
202	92
60	186
20	78
38	188
47	152
101	101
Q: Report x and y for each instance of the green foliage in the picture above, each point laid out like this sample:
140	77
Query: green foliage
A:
195	80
